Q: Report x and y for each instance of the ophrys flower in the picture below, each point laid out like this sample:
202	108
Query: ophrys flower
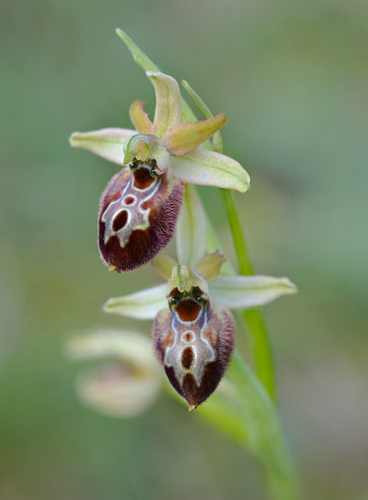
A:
140	205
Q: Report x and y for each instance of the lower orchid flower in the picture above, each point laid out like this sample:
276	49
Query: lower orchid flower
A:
193	330
140	206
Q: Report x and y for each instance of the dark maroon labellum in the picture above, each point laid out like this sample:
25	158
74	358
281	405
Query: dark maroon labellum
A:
194	343
137	217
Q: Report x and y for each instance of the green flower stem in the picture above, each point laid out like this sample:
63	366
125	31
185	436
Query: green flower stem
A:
259	338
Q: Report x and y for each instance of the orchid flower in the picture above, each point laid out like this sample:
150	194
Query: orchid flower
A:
140	206
128	383
193	330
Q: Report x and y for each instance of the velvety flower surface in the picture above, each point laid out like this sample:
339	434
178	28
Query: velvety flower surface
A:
194	339
193	330
140	206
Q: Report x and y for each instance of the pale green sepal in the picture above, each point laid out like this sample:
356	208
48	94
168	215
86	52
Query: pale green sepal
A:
216	139
239	292
139	305
169	108
209	168
184	279
129	384
164	264
107	142
139	118
210	265
185	137
145	147
191	229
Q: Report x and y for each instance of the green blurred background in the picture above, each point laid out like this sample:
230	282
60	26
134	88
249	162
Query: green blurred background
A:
292	77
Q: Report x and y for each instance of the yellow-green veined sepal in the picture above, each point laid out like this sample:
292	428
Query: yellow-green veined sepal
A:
107	142
140	305
239	292
208	168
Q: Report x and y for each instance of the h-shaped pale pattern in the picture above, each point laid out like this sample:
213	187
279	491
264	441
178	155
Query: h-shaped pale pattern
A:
140	206
193	339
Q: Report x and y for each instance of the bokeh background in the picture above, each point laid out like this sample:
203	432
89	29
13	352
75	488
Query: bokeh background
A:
292	77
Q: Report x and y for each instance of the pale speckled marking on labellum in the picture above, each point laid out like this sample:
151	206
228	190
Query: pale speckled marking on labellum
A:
193	339
193	330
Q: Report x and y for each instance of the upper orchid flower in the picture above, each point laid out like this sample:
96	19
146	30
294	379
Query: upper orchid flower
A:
140	205
191	308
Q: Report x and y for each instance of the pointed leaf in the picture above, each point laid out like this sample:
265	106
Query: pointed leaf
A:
139	305
185	137
208	168
210	265
139	56
191	229
164	264
147	65
216	139
139	118
107	142
264	434
239	292
169	109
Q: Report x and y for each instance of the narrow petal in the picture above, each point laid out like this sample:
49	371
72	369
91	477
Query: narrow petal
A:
210	265
164	264
169	108
107	142
139	305
208	168
216	139
185	137
140	119
191	229
238	292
